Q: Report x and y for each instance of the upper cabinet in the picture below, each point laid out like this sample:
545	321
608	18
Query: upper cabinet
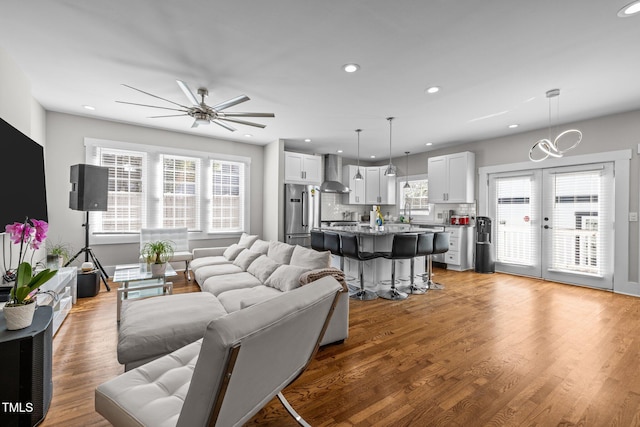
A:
357	194
451	178
379	188
302	168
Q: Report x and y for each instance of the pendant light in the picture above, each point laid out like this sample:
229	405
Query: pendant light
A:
406	184
391	169
358	175
545	145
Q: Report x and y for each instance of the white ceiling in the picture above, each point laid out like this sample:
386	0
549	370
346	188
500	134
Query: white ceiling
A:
494	60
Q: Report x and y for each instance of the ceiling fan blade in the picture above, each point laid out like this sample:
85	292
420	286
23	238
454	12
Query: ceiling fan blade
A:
242	122
155	96
230	103
224	125
247	114
170	115
188	92
152	106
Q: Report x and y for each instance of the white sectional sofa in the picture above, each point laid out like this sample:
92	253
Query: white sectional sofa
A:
231	279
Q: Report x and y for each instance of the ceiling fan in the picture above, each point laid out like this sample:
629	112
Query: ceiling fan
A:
203	113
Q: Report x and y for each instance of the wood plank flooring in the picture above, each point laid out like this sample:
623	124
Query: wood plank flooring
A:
489	350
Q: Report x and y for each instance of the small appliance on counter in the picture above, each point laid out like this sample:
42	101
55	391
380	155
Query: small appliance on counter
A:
460	220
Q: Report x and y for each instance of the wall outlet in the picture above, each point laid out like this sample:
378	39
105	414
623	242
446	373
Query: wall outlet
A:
633	216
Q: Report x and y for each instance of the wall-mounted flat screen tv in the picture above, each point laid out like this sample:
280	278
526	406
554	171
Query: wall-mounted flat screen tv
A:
22	182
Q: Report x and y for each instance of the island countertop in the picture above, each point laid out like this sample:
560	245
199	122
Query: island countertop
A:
388	229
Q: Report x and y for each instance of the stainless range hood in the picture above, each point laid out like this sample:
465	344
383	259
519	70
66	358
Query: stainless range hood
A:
333	175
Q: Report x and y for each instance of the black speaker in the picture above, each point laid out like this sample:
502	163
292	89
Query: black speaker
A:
26	359
89	188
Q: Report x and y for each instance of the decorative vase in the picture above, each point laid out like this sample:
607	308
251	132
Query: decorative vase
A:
19	316
157	270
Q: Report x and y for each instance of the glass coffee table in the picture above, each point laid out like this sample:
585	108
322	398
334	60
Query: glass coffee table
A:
138	282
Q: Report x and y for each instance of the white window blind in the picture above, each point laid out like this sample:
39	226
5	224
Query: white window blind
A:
126	203
180	192
227	196
516	224
582	235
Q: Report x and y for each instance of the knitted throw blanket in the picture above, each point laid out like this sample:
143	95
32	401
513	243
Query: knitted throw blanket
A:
313	275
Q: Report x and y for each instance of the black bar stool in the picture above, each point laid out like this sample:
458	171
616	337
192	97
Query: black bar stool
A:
404	247
351	249
317	240
332	244
424	248
440	246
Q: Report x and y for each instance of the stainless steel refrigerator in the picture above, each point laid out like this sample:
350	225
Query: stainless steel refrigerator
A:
301	213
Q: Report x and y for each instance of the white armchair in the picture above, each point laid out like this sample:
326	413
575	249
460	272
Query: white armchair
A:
179	237
244	360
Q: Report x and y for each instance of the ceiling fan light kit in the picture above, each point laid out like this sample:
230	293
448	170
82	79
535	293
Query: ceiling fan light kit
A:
202	113
552	148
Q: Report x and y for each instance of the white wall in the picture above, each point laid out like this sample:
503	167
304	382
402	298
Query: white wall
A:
65	147
272	187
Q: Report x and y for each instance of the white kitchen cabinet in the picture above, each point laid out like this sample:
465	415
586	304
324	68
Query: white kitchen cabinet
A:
451	178
357	194
459	257
302	168
379	188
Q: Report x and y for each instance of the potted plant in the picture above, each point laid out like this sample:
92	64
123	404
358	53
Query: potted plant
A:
21	306
60	252
157	254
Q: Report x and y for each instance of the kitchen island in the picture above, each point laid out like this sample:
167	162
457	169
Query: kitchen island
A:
374	240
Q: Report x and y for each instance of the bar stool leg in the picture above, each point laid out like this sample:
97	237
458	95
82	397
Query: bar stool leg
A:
393	293
430	283
413	288
362	294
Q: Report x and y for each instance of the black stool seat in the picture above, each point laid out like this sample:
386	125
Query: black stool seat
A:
424	248
440	246
351	249
404	247
317	240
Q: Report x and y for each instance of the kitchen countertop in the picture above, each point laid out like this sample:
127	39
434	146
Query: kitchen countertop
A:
389	229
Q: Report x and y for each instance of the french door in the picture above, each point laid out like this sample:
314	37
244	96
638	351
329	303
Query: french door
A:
555	223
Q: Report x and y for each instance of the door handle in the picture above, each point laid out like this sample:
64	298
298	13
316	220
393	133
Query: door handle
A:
304	214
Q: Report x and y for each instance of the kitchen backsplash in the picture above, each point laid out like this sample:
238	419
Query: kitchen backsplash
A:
332	208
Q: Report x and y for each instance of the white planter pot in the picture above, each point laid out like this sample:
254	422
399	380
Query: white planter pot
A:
19	316
157	270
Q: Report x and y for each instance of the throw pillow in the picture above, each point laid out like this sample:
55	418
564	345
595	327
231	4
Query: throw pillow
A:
286	277
280	252
262	267
261	246
247	240
245	258
232	252
310	258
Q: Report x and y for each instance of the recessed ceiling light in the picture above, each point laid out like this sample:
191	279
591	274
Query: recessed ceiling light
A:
630	9
89	107
373	157
247	135
431	90
339	151
513	126
429	144
307	140
351	68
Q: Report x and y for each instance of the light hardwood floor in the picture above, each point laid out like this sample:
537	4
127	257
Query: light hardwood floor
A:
489	350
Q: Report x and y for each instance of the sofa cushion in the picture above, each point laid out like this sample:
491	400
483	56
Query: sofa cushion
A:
247	240
241	298
286	277
245	258
262	267
208	260
218	284
280	252
233	251
203	273
153	327
310	258
261	246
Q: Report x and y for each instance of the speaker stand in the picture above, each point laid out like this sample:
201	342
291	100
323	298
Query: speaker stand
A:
88	253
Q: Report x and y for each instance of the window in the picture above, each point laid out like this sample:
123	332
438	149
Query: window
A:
416	198
126	197
227	196
151	187
180	192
